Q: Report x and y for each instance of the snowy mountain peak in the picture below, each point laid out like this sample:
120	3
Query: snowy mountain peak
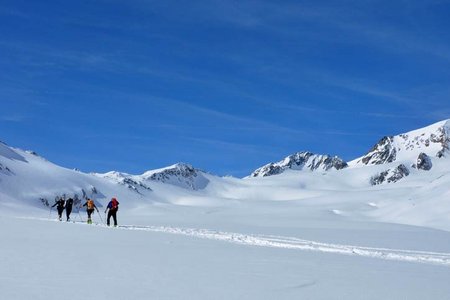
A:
433	141
180	174
301	161
182	168
113	175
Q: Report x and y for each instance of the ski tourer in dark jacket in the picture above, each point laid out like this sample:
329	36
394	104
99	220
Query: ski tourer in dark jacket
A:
69	205
112	207
60	207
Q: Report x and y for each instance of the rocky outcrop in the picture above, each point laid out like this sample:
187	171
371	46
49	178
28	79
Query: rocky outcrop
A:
130	181
181	174
268	170
4	169
423	162
79	198
382	152
178	170
301	161
390	175
135	185
443	138
433	140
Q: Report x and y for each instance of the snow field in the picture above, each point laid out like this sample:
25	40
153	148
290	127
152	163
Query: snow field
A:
145	262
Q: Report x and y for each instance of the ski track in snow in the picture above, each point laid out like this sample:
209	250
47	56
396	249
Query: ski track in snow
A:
292	243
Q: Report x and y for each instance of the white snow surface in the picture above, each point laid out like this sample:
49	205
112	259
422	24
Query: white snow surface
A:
296	235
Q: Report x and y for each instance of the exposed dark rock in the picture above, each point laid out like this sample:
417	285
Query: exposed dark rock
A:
398	173
382	152
181	174
44	202
268	170
5	170
424	162
180	170
391	175
379	179
77	198
134	185
300	161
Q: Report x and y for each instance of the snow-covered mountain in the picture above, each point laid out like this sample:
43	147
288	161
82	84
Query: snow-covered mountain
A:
132	182
33	181
414	159
27	179
432	141
405	153
181	175
396	156
301	161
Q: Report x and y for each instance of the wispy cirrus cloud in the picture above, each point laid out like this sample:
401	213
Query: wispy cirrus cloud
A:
356	24
7	11
14	118
234	146
240	123
439	114
45	57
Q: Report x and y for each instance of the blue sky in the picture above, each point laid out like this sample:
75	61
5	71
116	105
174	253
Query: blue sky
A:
224	85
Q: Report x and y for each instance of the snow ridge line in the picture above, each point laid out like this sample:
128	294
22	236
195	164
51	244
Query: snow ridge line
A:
435	258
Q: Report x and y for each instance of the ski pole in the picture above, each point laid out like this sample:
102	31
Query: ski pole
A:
50	213
100	215
79	215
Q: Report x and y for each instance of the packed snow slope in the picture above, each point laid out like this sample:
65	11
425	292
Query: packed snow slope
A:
376	228
54	260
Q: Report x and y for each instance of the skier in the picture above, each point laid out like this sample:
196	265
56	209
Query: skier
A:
90	209
59	203
113	207
69	204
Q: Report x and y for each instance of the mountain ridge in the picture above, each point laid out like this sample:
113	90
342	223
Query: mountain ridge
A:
28	176
301	161
416	149
433	140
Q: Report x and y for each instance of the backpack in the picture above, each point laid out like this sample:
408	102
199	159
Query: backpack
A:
90	204
114	204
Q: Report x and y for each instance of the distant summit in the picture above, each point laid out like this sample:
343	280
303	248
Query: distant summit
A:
301	161
415	150
130	181
407	151
431	141
180	174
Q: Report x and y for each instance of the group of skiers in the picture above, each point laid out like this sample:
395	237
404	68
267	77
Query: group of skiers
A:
111	208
